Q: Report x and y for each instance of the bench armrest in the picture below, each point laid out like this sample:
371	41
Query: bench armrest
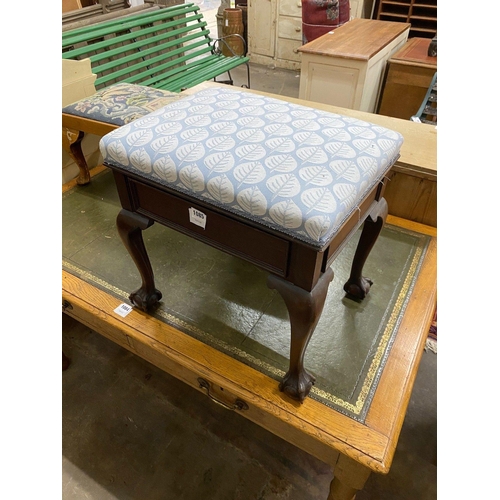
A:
218	42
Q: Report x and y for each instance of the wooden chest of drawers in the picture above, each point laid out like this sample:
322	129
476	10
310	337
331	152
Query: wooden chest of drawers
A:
408	76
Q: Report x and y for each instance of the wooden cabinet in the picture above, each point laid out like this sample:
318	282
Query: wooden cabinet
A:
275	31
261	29
345	67
408	76
421	14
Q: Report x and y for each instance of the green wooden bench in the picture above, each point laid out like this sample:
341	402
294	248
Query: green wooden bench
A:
166	48
161	49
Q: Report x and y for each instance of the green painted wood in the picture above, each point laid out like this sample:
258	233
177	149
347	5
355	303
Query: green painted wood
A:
105	44
113	25
169	48
150	71
152	50
199	76
154	41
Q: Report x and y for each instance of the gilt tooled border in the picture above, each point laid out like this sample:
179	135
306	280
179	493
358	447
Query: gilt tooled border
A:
359	409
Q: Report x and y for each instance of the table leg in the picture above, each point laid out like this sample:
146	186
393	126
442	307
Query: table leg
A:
130	226
349	477
72	144
357	286
304	309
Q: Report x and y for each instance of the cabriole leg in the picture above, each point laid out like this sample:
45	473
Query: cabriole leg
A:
72	144
130	226
304	309
357	286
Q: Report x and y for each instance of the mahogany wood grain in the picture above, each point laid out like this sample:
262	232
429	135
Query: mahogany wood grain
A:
415	52
145	201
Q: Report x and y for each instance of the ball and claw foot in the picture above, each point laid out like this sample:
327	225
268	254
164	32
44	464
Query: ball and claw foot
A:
143	300
297	385
357	289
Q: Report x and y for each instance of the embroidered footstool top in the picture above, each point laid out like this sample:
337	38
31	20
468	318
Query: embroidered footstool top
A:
121	103
295	169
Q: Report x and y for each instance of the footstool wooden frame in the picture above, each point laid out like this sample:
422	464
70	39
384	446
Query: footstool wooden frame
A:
299	270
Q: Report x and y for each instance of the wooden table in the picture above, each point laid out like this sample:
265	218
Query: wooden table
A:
351	448
345	66
408	76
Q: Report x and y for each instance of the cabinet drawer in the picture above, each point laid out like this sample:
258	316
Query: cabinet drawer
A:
221	231
290	27
287	49
291	8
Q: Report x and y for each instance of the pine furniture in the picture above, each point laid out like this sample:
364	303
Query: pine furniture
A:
345	67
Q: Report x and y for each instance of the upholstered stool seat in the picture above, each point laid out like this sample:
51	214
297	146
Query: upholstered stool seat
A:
106	110
295	169
276	183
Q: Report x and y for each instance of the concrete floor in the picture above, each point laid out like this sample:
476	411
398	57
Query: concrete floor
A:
132	432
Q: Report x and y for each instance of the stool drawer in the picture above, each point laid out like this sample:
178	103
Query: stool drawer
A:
221	231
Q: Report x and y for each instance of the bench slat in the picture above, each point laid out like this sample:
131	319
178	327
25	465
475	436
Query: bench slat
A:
155	40
200	74
110	27
148	62
169	48
132	35
172	66
147	52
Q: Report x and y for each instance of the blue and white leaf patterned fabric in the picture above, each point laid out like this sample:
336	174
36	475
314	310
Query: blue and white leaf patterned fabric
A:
295	169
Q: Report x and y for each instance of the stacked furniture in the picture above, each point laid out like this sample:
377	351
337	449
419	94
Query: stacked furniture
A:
167	49
421	14
408	76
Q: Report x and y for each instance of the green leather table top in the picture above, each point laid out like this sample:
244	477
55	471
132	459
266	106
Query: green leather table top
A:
224	301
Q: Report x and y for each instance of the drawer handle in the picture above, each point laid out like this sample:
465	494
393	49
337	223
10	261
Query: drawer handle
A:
66	305
238	404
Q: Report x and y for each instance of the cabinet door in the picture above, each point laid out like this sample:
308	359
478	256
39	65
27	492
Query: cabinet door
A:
262	27
356	7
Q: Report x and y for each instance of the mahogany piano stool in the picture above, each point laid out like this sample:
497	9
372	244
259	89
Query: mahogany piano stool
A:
281	185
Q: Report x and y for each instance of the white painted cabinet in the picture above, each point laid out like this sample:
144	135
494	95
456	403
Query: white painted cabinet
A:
345	67
261	19
275	31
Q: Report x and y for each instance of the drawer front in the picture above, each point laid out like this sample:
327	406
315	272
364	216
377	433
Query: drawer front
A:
287	49
290	27
291	8
221	231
